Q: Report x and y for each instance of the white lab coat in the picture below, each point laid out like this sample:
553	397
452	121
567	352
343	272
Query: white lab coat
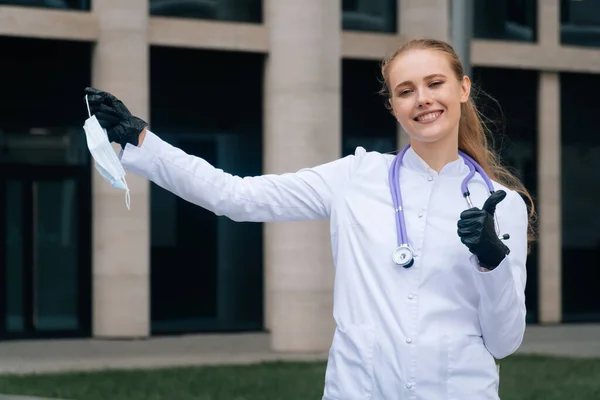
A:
429	332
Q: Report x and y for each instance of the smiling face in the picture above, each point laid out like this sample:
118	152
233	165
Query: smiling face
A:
426	95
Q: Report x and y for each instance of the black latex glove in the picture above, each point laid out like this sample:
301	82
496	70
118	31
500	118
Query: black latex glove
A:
120	125
477	231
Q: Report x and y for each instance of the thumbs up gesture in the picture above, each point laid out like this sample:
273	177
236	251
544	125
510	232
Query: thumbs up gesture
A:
477	231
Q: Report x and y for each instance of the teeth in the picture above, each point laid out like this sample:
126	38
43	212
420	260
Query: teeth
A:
429	116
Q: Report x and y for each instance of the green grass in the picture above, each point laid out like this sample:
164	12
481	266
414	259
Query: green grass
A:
521	378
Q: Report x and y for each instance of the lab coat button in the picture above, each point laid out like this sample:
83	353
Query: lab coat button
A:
411	296
420	215
408	340
408	385
430	178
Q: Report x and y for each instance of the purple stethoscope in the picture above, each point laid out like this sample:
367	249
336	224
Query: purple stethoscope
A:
403	255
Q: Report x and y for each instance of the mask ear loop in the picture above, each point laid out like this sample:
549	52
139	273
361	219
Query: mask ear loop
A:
88	106
127	195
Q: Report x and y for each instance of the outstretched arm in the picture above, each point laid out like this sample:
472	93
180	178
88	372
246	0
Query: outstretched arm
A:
306	194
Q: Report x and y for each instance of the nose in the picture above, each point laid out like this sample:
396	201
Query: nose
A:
423	99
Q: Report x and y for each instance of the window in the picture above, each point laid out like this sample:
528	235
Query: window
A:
45	190
580	22
206	270
60	4
580	197
505	20
369	15
365	120
514	125
221	10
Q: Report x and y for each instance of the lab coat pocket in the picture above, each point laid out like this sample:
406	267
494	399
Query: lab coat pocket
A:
349	373
472	370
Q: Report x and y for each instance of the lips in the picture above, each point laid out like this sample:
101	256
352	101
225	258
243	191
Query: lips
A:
428	116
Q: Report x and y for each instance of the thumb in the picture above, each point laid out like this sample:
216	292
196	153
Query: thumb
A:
492	201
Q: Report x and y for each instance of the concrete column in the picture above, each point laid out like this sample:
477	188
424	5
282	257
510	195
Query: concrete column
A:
420	19
121	237
548	17
549	199
549	172
424	18
302	129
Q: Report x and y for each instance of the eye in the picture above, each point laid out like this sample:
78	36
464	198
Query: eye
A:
404	92
436	83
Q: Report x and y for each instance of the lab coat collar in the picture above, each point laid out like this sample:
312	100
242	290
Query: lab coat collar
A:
413	161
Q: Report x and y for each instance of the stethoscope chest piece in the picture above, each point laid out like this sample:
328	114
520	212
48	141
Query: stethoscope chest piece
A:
403	256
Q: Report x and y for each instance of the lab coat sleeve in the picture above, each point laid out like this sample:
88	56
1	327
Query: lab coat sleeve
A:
502	308
303	195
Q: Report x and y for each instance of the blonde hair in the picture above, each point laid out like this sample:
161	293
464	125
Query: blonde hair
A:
472	131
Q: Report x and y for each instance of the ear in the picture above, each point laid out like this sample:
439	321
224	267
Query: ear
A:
465	89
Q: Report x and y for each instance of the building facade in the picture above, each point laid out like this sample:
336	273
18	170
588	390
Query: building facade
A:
257	87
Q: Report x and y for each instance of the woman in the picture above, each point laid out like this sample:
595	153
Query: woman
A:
426	321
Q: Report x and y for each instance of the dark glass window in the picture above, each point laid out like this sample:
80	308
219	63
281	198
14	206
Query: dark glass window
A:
365	120
580	197
513	119
220	10
60	4
369	15
45	190
580	22
505	20
207	271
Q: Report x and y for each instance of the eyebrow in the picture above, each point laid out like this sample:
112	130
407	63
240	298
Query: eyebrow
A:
428	77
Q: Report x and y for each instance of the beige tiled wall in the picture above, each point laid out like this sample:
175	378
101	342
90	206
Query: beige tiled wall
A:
120	258
302	129
424	18
549	165
549	198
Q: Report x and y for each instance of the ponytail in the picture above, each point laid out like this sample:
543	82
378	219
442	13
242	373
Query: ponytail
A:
472	139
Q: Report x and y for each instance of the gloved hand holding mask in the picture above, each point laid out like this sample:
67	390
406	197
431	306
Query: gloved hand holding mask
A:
120	125
110	121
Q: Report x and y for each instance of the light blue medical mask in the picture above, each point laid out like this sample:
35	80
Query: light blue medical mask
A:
105	159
